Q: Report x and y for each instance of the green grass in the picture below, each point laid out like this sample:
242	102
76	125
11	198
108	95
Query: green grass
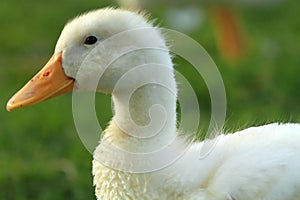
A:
42	157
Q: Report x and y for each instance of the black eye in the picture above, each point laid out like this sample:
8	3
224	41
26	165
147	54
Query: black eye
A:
90	40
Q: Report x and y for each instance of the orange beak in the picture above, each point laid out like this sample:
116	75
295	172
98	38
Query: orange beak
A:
50	82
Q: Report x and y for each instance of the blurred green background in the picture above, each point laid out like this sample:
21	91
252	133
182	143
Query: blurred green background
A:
41	155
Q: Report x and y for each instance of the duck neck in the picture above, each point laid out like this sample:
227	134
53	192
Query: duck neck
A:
145	109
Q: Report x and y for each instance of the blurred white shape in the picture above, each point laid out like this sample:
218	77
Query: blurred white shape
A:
129	4
270	49
186	19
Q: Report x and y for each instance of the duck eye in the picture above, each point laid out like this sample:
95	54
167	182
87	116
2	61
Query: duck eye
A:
90	40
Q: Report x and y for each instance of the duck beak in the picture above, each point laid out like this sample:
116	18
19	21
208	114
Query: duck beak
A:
50	82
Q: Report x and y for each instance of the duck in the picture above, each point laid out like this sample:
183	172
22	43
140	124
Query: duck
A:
141	155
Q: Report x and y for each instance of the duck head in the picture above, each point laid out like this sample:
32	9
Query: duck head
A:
87	46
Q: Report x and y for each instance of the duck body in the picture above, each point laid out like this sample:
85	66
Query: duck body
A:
255	163
129	54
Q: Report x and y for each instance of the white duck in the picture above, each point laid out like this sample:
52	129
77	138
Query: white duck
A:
256	163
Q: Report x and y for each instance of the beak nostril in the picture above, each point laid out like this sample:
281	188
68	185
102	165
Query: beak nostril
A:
46	74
